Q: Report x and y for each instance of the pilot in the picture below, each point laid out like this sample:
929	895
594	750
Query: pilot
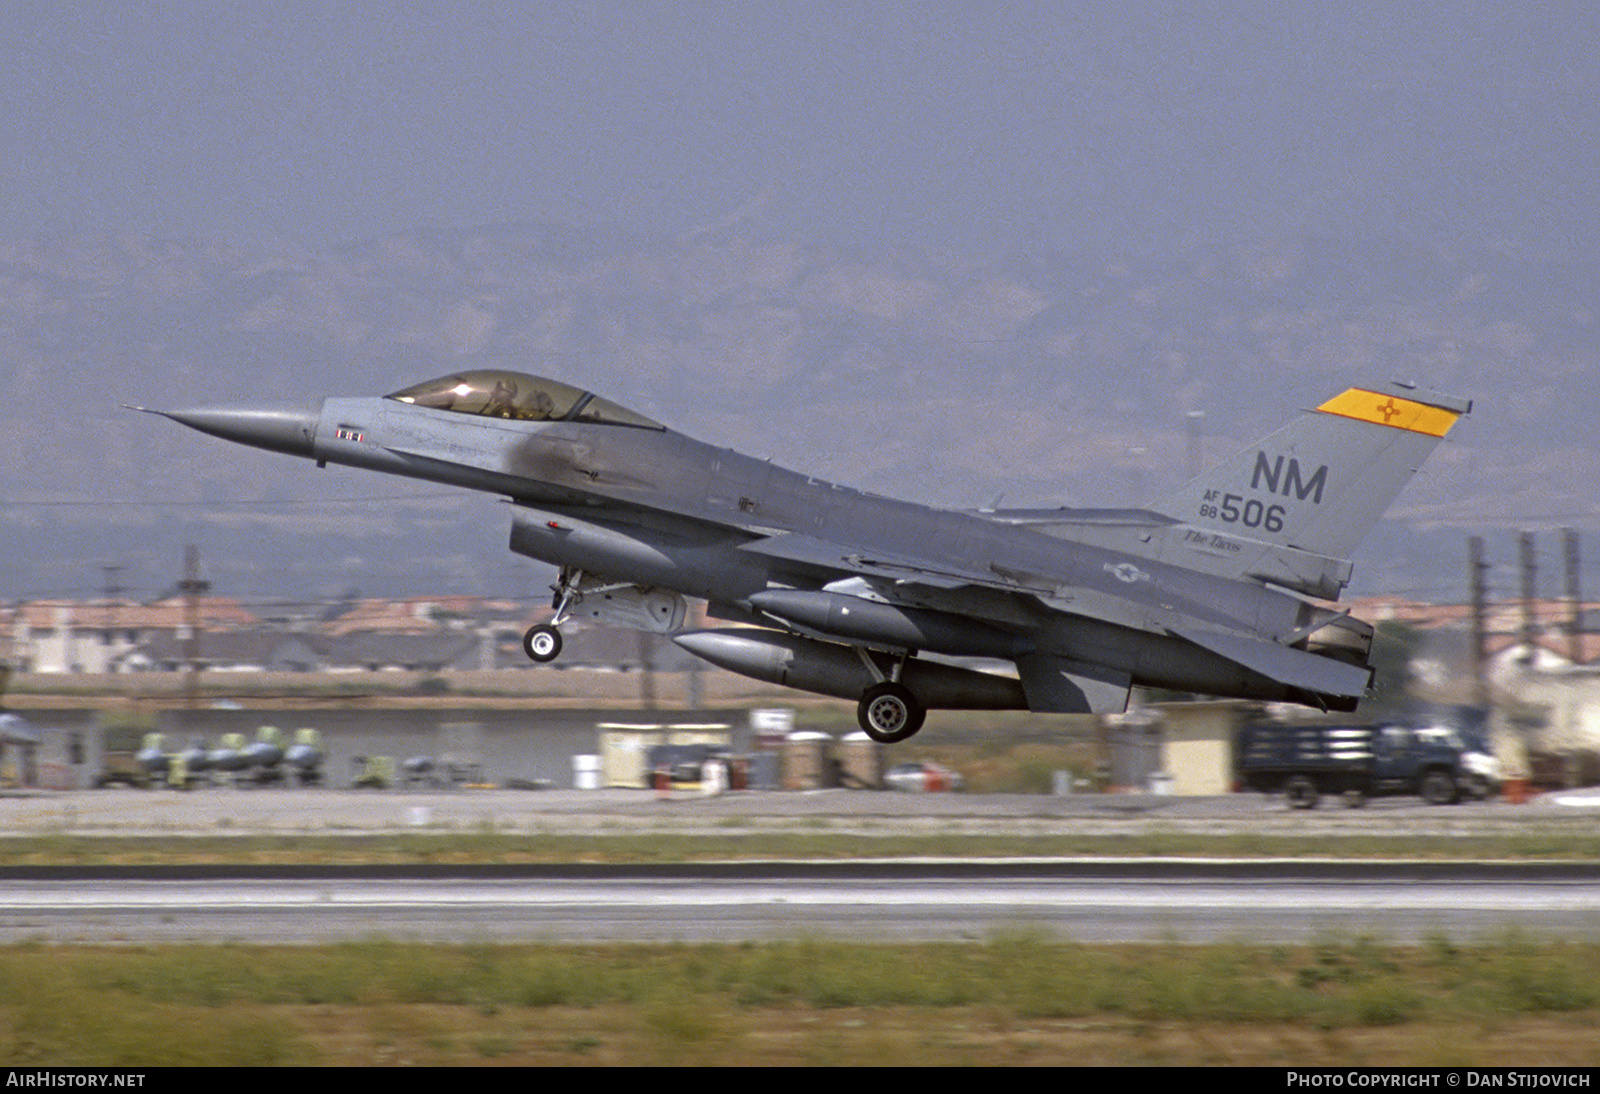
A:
501	400
541	407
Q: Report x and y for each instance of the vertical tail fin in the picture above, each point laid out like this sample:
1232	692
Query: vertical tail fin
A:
1321	483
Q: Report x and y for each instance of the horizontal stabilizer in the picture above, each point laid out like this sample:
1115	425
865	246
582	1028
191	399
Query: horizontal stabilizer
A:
1058	685
1289	666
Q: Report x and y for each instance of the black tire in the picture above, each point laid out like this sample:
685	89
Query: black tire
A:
542	643
1301	793
1438	788
888	713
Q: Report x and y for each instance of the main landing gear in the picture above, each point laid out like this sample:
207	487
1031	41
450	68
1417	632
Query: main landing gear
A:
888	711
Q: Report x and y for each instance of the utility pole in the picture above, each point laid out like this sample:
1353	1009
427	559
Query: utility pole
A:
1478	568
1192	420
8	652
647	670
1529	569
108	621
192	589
1569	543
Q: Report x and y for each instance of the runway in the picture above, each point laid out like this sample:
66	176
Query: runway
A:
1138	901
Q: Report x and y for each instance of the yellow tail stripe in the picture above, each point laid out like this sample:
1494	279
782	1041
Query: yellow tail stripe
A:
1369	406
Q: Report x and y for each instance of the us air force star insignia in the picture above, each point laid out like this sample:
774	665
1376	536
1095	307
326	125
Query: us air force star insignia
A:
1127	572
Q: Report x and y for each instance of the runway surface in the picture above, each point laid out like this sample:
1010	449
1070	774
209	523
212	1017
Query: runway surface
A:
1134	901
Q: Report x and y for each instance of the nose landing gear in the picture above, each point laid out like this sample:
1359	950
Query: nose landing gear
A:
542	643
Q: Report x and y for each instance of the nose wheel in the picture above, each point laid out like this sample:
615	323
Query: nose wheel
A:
542	643
888	712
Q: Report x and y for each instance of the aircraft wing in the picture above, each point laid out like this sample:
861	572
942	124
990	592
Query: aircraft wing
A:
1293	667
1115	599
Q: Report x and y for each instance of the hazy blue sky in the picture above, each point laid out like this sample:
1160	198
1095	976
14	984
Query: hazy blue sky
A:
1026	126
959	123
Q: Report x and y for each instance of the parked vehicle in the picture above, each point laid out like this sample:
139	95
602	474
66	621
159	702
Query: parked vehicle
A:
1357	762
682	763
922	776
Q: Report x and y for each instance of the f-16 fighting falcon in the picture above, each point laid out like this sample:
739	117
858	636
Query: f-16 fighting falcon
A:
1211	591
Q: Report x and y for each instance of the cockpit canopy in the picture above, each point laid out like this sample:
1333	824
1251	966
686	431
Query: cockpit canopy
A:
499	393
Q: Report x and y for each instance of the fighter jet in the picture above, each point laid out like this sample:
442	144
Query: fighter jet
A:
1213	590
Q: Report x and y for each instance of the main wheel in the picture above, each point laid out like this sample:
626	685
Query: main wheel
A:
888	712
1301	793
542	643
1438	788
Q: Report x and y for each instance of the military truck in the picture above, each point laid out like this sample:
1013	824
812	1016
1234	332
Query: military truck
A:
1357	762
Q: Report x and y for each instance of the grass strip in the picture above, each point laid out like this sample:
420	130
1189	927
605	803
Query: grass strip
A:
1569	844
1512	999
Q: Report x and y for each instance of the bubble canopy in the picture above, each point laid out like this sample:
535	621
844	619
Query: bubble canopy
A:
499	393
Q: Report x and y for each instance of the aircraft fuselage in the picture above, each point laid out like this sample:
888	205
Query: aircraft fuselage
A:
1208	593
660	508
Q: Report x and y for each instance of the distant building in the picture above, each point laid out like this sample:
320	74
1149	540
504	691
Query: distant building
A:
94	636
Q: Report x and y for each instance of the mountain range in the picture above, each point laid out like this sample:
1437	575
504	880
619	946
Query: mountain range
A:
949	377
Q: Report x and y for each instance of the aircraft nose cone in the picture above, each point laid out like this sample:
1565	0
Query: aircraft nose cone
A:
288	429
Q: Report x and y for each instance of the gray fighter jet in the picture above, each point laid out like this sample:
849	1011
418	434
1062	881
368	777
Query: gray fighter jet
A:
1210	591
